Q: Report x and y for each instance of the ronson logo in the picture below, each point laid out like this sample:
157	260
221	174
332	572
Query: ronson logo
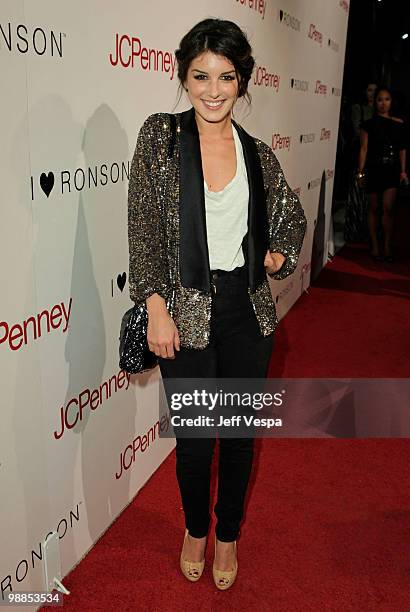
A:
31	40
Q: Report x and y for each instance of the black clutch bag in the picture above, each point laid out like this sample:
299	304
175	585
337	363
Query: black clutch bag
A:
135	356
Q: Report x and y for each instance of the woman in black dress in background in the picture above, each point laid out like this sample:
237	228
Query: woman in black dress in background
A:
383	156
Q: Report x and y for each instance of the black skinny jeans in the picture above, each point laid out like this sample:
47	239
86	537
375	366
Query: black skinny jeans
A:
236	349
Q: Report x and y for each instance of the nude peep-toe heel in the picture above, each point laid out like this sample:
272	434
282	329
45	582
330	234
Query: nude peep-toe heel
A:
191	569
224	578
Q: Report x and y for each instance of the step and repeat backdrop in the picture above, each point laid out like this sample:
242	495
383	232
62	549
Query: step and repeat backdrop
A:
78	436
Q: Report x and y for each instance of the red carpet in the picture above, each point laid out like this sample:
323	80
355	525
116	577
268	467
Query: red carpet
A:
328	521
354	322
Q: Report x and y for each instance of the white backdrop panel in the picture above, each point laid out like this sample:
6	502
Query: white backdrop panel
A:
69	123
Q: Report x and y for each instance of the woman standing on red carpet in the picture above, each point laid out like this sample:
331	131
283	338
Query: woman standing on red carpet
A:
210	214
383	153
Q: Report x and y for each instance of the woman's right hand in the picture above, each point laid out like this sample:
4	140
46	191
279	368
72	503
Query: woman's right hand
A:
162	333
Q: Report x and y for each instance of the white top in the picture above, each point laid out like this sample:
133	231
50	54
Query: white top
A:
227	216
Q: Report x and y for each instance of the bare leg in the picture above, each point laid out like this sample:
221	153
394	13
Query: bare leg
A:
389	197
372	223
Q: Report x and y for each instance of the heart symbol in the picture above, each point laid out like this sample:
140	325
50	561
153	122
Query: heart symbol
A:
47	182
121	278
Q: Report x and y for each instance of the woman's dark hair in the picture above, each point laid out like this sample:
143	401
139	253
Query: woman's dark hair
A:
363	95
222	38
376	93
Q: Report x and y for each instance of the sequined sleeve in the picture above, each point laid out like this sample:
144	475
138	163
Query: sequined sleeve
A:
147	255
287	220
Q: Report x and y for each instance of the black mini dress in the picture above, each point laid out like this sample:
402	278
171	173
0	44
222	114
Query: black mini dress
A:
386	138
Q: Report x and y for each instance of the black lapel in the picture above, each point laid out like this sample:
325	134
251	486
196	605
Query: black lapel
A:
256	242
193	245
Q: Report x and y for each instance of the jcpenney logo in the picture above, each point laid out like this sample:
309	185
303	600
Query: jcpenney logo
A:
314	34
307	138
35	557
320	88
289	20
140	444
280	142
325	134
344	4
68	181
129	52
17	335
266	79
259	6
90	399
299	85
333	45
34	41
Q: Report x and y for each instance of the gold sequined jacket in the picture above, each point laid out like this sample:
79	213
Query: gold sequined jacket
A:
168	250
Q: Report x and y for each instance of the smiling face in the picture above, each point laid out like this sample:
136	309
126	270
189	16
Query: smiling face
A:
383	101
212	86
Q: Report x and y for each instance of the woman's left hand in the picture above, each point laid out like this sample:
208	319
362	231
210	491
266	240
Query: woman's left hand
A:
273	262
